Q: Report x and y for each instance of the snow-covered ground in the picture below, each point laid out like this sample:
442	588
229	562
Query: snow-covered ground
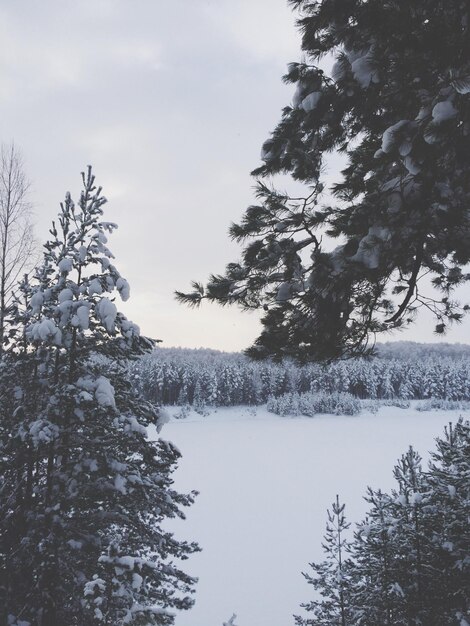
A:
265	483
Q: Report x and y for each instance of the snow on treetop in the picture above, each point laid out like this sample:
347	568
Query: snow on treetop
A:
107	311
108	225
81	318
388	137
128	328
43	431
65	265
86	383
104	392
101	388
411	165
443	111
123	287
310	102
94	286
45	330
36	301
120	484
368	252
92	585
68	304
298	94
137	581
65	295
364	72
134	426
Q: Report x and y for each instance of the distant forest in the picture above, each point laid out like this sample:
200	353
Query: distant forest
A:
402	370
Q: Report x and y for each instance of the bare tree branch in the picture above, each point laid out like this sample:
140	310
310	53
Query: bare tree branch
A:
17	243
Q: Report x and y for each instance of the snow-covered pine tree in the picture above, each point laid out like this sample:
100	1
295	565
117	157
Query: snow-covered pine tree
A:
374	597
396	105
84	493
199	402
229	379
331	577
410	532
408	563
449	514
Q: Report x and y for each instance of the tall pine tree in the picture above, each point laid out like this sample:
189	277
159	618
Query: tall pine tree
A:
396	104
84	493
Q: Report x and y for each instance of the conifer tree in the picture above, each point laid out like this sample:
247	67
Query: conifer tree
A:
449	512
375	597
396	105
408	563
83	491
411	530
330	578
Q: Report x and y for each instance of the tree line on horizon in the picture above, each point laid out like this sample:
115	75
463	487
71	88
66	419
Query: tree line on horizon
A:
199	378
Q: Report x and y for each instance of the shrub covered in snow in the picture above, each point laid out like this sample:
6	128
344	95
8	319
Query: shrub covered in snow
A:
441	404
313	403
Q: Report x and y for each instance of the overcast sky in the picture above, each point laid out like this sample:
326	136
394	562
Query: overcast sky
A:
170	102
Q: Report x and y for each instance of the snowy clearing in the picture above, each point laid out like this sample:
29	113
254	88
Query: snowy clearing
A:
265	483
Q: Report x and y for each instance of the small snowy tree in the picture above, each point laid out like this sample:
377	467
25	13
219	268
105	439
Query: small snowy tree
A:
330	577
199	402
408	562
83	491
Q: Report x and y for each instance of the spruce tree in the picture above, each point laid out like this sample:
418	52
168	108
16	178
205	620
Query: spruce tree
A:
396	105
84	493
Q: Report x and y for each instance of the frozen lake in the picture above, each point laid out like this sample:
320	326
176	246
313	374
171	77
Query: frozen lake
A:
265	483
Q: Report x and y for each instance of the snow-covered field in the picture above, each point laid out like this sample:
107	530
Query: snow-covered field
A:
265	483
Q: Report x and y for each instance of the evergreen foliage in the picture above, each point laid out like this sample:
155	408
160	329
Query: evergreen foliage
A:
330	577
395	104
84	493
310	404
408	562
205	378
